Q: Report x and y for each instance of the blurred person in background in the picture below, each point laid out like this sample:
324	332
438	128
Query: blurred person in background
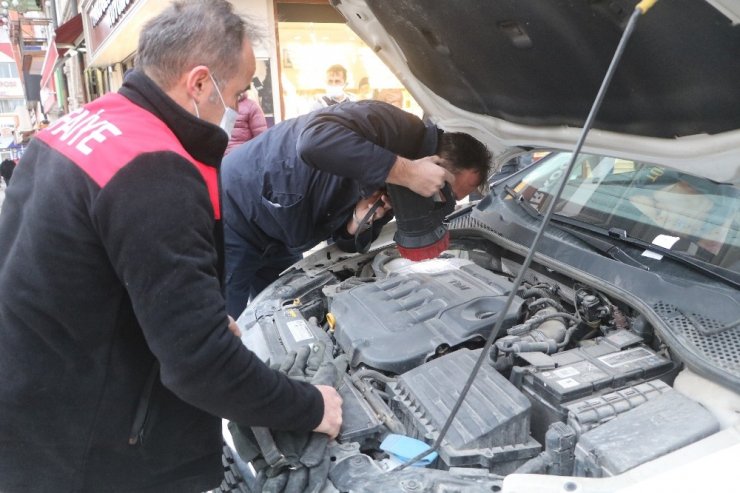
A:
249	124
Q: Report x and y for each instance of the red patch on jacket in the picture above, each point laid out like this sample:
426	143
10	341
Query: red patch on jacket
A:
107	134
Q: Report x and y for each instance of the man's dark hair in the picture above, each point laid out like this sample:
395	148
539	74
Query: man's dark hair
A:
464	151
338	68
189	33
6	170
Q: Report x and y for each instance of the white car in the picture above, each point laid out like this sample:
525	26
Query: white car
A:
613	361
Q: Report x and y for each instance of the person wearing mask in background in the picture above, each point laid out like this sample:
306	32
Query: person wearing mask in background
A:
249	124
117	357
316	176
336	82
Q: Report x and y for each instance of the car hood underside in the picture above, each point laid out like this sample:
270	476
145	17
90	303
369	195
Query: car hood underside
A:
530	70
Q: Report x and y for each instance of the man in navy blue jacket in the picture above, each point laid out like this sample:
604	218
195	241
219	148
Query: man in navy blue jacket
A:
314	177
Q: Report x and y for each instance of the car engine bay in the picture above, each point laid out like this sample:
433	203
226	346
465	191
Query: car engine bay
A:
575	384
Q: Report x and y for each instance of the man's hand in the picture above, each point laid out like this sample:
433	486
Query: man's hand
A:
233	327
364	206
332	419
424	176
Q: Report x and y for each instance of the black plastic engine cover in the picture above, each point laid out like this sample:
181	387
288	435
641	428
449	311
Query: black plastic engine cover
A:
398	323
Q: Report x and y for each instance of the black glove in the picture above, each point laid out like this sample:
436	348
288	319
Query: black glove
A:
290	461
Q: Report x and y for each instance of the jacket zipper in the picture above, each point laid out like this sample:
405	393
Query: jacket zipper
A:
136	436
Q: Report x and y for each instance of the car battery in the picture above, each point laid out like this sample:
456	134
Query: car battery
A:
593	370
287	330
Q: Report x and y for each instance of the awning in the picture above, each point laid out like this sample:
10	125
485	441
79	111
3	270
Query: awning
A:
48	98
50	63
67	33
65	38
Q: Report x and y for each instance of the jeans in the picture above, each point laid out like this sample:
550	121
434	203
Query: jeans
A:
249	269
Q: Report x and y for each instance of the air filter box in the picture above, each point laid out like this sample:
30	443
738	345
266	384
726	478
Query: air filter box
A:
491	428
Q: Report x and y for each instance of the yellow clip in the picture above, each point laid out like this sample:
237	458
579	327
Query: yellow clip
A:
645	5
331	321
296	302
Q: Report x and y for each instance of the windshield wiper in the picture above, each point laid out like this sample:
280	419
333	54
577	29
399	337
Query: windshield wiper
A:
604	246
623	236
519	199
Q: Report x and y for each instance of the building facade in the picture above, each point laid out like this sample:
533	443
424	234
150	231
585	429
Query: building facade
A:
291	61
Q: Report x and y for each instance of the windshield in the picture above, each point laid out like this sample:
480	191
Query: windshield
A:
674	210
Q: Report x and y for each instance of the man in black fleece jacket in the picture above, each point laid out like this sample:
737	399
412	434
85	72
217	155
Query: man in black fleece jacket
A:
116	355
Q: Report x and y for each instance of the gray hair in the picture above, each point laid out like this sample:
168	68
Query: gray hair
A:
189	33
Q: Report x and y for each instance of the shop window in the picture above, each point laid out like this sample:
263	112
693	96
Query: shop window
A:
8	70
309	46
9	105
93	80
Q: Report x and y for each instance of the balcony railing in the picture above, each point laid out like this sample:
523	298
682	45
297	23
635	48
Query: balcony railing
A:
30	34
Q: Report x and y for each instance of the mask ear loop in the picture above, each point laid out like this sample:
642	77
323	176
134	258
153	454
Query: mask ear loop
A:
197	113
218	91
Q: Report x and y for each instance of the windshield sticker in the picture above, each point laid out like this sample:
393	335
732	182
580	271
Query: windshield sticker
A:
664	241
652	254
537	199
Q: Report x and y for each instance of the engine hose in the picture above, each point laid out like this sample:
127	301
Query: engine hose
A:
546	326
375	375
535	465
382	411
503	364
534	293
568	334
566	315
538	319
547	347
549	316
548	301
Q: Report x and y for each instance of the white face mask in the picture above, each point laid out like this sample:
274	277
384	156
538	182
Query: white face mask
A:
335	91
229	118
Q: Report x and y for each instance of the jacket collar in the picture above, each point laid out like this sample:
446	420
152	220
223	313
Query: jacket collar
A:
204	141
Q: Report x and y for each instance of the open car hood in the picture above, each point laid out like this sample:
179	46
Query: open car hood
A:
525	73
